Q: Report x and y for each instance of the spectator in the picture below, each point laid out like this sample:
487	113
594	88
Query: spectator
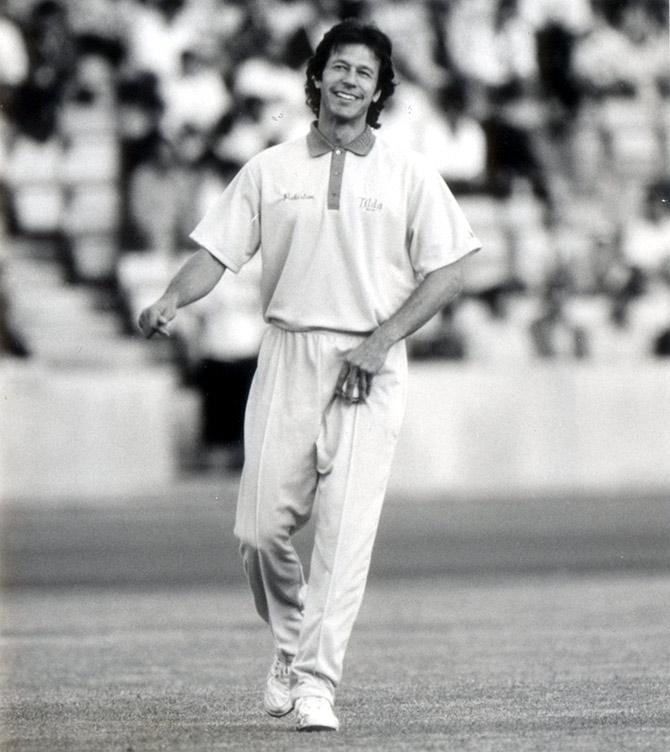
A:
493	47
460	147
214	26
648	315
511	148
661	345
140	108
241	137
575	16
12	343
228	333
414	40
274	93
623	64
440	128
51	56
624	284
158	33
196	97
558	81
503	95
646	239
288	24
661	340
13	55
13	73
491	44
163	190
625	52
98	28
408	115
553	334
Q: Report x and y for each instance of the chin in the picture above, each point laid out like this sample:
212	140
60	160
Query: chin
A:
347	113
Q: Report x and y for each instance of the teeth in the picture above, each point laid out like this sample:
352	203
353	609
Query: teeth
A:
348	97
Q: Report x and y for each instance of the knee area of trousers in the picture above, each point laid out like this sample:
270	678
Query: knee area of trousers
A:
265	539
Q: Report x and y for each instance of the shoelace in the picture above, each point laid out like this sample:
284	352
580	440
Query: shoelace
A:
280	670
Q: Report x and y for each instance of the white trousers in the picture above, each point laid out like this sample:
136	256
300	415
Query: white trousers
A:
304	447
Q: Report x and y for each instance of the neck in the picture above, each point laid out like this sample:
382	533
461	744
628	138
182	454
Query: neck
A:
340	133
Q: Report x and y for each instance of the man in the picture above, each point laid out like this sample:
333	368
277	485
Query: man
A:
359	243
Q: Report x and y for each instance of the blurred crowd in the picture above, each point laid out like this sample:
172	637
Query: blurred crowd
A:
122	119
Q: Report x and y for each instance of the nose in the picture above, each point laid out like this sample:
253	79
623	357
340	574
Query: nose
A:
349	77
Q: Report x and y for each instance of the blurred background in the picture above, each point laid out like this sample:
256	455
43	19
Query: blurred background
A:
536	431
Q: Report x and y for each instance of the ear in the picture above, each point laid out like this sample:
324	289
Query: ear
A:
377	95
317	83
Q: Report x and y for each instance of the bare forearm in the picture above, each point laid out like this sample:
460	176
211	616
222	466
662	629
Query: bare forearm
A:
196	278
193	281
437	289
363	362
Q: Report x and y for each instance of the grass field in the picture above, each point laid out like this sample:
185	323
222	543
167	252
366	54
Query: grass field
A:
486	663
183	536
488	626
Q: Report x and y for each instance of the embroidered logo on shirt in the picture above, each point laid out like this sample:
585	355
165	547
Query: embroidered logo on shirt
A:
370	204
297	196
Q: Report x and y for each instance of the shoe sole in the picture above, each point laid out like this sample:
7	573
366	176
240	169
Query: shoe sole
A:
316	728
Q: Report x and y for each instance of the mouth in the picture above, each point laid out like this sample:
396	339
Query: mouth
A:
346	97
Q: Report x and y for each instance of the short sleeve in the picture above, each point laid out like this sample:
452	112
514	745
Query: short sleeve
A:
231	228
438	232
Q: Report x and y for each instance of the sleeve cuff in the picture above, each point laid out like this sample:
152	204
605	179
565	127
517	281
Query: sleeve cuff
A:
227	262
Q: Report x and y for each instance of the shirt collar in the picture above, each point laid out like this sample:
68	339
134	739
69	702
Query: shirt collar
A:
318	144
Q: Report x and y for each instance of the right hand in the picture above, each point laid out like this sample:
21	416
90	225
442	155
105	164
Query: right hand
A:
155	318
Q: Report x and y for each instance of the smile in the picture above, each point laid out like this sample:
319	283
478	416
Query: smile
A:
346	97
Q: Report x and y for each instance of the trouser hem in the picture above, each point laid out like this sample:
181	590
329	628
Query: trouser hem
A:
312	690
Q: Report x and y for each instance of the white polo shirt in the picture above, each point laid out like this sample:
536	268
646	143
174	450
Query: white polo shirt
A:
345	233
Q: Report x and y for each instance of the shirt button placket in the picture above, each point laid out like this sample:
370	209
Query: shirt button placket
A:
335	178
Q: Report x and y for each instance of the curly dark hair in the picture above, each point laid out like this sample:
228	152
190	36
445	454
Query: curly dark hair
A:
351	31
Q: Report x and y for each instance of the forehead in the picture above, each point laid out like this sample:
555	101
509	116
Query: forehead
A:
355	54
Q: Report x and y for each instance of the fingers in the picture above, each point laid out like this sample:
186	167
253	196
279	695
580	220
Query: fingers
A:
346	387
161	327
352	390
353	384
162	330
366	383
151	323
342	377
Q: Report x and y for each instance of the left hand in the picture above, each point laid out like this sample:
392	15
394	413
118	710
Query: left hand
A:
358	370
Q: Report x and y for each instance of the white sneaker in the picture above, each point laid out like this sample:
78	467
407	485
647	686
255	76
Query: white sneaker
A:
277	697
315	714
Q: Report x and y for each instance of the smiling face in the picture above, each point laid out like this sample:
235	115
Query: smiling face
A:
348	85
